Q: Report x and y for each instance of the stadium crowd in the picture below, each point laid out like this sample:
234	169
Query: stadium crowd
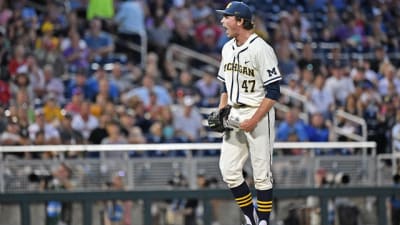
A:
67	79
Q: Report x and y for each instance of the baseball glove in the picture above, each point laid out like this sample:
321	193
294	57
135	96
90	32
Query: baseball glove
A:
217	119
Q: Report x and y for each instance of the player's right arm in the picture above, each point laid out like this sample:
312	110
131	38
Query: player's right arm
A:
223	100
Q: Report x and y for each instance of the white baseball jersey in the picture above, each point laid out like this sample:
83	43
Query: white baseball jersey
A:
247	69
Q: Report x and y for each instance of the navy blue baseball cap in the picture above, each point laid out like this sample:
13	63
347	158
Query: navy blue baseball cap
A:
239	9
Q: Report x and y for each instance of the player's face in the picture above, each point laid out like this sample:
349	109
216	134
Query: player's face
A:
231	25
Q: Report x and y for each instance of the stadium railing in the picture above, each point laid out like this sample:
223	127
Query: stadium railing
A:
340	114
88	199
155	172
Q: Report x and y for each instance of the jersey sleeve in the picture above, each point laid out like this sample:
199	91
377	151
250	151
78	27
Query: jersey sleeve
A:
268	64
221	74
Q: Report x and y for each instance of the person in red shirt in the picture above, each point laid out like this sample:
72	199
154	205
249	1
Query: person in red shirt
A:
4	93
17	60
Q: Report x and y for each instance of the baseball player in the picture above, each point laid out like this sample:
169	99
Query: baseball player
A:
249	71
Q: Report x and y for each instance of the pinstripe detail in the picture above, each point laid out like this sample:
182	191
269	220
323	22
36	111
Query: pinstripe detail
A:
237	75
233	73
269	138
253	40
221	78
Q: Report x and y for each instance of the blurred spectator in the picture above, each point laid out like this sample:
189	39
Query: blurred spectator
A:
11	135
60	179
182	35
5	13
136	136
152	67
68	134
99	107
208	27
79	82
376	125
99	83
5	53
318	129
99	133
53	85
101	9
47	49
76	52
52	110
339	84
369	93
396	134
156	136
208	88
48	40
123	82
117	212
130	18
22	84
302	26
108	90
287	63
74	106
294	86
308	60
167	119
18	59
114	136
307	79
126	118
321	100
74	23
50	133
159	32
390	77
208	46
378	58
131	23
85	121
35	74
143	92
200	10
188	121
100	43
184	87
292	125
24	120
5	93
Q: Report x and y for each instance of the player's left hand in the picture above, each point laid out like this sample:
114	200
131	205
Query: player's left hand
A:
248	125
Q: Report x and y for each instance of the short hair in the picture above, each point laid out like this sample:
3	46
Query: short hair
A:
247	24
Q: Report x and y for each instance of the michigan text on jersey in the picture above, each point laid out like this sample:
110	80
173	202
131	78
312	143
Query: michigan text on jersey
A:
239	68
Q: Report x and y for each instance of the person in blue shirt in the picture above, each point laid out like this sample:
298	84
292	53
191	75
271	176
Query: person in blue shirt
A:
100	43
317	131
292	125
